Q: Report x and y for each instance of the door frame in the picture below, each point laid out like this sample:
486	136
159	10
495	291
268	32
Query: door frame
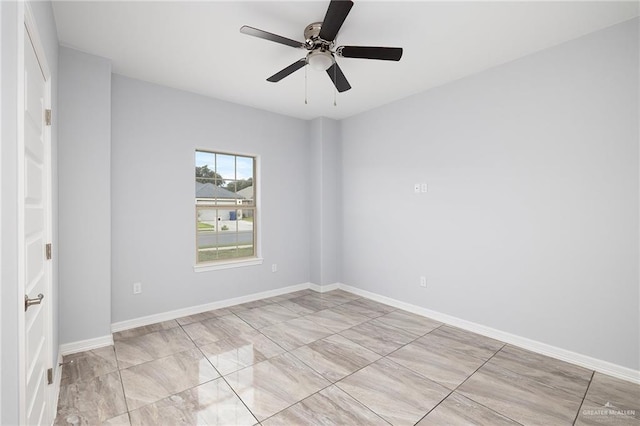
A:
27	22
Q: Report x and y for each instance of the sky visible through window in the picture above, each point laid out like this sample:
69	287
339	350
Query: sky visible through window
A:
225	165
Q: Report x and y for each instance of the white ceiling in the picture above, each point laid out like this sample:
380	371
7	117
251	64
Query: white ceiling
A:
197	46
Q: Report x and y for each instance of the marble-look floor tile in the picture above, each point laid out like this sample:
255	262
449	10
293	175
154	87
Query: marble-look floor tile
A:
395	393
313	303
345	294
216	313
593	414
549	371
330	406
266	315
433	359
149	382
519	398
212	403
89	364
467	342
295	333
86	419
121	420
145	329
605	390
247	305
241	351
337	297
378	337
335	357
164	379
407	321
336	321
93	401
136	350
364	307
273	385
277	299
295	307
457	410
373	305
212	330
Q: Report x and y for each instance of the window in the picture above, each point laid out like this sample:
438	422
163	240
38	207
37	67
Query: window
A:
225	207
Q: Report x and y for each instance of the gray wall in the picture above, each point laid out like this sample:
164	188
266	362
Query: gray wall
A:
84	196
326	201
155	132
530	224
9	309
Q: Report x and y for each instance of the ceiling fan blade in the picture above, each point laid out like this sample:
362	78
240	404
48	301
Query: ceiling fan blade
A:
269	36
333	20
337	76
370	52
288	70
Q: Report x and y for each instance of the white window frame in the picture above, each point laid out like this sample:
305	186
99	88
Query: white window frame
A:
257	232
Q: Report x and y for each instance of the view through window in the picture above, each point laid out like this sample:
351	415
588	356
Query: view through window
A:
225	207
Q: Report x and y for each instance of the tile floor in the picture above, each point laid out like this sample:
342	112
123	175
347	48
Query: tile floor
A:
329	358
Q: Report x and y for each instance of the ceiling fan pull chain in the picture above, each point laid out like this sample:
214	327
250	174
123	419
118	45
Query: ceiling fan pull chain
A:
335	88
305	85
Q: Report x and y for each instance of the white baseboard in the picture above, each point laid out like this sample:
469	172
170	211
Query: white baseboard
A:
324	288
585	361
192	310
86	345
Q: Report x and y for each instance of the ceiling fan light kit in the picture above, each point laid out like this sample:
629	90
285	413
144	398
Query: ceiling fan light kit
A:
320	44
320	60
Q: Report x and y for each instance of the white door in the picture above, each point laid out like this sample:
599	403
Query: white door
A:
37	270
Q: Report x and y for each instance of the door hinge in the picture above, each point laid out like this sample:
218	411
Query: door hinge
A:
47	117
47	251
50	376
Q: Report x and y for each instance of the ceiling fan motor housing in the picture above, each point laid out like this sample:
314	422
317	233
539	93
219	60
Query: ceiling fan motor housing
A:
313	40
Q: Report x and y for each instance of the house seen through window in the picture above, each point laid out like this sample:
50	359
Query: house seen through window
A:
225	207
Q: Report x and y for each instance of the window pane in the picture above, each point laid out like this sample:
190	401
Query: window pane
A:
207	219
205	159
245	225
246	215
206	236
244	185
226	166
246	243
205	166
247	195
244	168
208	188
227	221
231	186
244	188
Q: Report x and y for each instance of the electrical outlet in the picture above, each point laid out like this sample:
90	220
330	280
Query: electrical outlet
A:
137	288
425	187
274	267
423	282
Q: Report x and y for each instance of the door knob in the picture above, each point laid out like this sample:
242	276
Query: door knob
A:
35	301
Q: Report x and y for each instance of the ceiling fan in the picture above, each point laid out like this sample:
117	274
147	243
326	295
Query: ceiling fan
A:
320	45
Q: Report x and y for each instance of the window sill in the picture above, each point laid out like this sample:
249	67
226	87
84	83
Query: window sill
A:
228	265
